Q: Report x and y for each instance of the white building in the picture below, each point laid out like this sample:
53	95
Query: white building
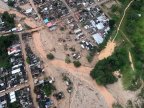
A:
98	38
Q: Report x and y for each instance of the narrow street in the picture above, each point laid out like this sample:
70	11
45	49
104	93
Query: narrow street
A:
14	89
24	31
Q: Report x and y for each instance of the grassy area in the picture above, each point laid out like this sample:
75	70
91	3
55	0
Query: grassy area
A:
133	30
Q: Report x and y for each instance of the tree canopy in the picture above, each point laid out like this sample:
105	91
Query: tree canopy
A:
5	42
103	71
8	20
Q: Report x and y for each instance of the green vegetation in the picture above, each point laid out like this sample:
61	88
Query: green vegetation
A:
77	64
72	49
62	28
11	3
111	24
133	27
50	56
117	105
8	20
67	60
91	54
114	8
14	105
5	42
48	89
130	38
103	71
129	104
28	60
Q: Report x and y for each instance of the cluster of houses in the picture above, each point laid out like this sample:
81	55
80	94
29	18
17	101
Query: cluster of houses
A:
95	22
79	4
43	89
79	36
51	10
21	2
74	28
34	63
16	74
39	2
24	7
17	99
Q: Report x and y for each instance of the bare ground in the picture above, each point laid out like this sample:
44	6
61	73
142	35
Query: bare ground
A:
131	61
120	94
107	51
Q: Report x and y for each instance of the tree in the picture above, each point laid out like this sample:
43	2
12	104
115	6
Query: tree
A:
89	58
8	20
50	56
111	23
28	60
5	42
137	4
11	3
103	70
114	8
62	28
77	63
67	60
117	105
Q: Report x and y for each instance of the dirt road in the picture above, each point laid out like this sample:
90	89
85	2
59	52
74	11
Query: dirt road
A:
30	78
118	28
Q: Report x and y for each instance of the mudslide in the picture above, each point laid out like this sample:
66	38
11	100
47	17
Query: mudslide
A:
107	51
70	68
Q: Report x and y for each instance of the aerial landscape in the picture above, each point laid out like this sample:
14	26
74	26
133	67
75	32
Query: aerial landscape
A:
71	53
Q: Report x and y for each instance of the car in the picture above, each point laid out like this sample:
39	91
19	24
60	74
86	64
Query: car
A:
82	46
70	89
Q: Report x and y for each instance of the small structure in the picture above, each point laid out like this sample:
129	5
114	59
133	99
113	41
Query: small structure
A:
16	71
28	11
1	23
46	20
12	97
49	24
100	26
98	38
